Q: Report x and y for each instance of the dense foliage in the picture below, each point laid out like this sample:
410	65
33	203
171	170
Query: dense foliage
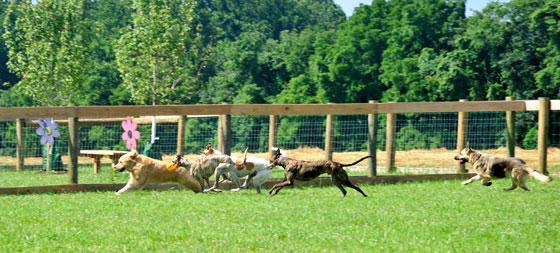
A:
277	51
118	52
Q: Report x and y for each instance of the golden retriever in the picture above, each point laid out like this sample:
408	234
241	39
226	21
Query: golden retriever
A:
144	170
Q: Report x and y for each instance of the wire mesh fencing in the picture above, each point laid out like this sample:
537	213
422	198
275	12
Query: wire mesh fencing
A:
425	142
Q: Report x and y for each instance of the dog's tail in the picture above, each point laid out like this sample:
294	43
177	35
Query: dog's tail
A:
245	157
537	175
354	163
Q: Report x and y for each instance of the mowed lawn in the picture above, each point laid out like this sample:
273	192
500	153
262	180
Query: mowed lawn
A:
435	216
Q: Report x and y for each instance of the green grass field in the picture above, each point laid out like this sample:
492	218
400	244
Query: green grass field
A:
437	216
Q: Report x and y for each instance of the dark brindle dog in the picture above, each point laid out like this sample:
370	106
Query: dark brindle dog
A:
488	167
304	171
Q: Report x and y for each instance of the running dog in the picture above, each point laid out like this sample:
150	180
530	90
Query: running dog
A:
488	167
211	151
307	170
206	166
144	170
255	168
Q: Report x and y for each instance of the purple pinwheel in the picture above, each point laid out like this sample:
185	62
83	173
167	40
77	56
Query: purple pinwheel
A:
130	134
47	131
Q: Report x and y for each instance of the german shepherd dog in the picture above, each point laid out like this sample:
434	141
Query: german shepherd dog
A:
488	167
304	171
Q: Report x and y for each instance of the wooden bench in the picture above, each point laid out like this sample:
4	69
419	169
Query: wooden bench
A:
97	154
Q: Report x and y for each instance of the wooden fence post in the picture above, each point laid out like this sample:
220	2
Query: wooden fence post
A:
372	142
272	133
220	132
73	149
390	141
544	114
329	134
462	127
181	134
510	140
20	145
226	134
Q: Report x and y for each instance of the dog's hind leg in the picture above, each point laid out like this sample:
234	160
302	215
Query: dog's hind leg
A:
519	177
349	184
513	186
342	178
339	185
247	180
190	183
260	178
235	179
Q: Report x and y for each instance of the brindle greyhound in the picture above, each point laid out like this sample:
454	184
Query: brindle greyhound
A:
307	170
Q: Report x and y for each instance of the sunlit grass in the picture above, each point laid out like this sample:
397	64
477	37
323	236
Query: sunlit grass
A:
437	216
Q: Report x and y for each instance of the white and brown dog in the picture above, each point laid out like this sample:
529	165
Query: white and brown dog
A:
255	168
144	170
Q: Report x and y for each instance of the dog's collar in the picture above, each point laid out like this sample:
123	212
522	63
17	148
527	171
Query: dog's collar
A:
280	160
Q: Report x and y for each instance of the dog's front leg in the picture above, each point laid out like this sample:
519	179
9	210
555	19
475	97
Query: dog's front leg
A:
217	173
247	180
289	181
235	179
472	179
486	181
130	186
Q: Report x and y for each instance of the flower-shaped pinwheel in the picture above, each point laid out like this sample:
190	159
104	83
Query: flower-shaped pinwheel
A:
47	131
130	134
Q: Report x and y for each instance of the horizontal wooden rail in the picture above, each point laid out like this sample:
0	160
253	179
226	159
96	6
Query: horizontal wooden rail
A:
12	113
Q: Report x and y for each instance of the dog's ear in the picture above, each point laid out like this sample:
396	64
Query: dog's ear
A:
278	152
134	153
468	146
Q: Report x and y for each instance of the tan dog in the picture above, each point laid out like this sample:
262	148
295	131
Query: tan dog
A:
488	167
144	170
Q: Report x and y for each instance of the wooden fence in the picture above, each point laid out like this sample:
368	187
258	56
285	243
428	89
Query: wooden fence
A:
74	116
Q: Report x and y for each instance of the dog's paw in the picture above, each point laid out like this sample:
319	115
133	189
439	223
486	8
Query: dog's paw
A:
216	190
487	184
465	183
235	190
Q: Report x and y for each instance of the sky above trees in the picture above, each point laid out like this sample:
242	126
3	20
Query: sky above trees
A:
471	5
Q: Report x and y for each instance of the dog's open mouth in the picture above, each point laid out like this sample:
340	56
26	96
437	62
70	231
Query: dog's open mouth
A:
461	160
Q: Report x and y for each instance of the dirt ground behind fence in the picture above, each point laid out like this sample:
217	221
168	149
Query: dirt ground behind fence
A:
412	161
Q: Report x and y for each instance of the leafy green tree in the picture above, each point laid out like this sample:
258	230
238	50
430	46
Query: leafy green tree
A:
47	43
106	20
355	59
415	25
546	22
152	54
6	78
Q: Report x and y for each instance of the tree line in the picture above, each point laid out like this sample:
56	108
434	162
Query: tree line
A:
115	52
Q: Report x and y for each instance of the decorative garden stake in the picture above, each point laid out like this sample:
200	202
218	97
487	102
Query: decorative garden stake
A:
130	134
48	133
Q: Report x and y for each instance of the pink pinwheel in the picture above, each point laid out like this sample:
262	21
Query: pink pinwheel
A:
130	134
47	131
